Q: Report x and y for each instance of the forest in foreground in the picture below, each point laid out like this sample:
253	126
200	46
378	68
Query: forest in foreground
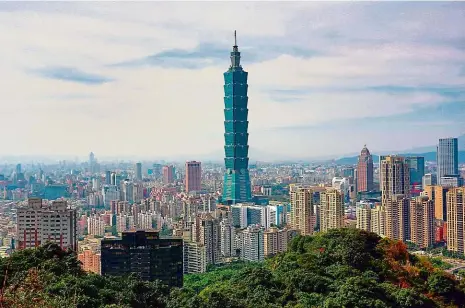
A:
340	268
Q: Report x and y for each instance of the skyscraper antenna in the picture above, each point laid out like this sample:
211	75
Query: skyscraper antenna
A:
235	39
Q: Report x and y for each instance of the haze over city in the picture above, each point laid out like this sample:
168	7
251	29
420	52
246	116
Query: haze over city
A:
144	80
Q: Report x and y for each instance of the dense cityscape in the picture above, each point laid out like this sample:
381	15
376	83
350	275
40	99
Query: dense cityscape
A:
166	220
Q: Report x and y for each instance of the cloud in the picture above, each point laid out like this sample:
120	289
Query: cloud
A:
145	79
71	74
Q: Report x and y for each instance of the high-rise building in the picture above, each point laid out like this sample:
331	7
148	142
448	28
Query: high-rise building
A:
236	184
110	193
363	214
397	221
138	171
428	179
365	171
302	217
422	222
447	158
108	177
331	209
168	174
394	177
227	238
193	176
38	223
455	219
195	258
206	230
145	254
417	169
252	244
437	194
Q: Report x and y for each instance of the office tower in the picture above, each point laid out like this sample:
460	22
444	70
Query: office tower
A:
365	171
38	223
18	169
96	184
397	217
394	177
451	181
90	261
247	213
146	254
168	174
92	162
417	169
236	184
195	258
455	219
113	179
276	240
343	185
447	158
302	217
428	180
331	210
422	222
110	193
227	238
193	176
252	244
127	191
437	194
108	177
348	172
138	171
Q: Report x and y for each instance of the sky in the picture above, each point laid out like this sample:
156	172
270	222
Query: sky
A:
144	79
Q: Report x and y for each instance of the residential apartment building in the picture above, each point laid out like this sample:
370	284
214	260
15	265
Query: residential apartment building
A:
455	219
276	240
302	216
422	222
38	223
331	210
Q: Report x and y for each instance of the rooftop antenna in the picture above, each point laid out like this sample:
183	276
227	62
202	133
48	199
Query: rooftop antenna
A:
235	39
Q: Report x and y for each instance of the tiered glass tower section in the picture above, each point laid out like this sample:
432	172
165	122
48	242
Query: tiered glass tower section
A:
236	185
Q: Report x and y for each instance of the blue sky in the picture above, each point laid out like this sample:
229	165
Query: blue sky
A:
145	79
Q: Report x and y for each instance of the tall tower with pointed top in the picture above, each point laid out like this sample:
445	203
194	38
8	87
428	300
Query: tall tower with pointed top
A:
365	171
236	184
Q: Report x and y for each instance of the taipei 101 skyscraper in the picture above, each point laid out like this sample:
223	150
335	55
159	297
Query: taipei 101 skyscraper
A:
236	184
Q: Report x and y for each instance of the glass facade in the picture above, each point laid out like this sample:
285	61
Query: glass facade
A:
417	169
236	185
145	254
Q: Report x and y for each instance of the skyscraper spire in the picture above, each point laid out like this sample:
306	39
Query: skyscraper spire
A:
235	55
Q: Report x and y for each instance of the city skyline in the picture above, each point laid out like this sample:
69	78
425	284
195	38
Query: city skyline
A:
314	77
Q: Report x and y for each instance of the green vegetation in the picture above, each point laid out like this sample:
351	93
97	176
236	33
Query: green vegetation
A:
340	268
439	263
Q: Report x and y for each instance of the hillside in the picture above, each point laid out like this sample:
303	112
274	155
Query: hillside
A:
341	268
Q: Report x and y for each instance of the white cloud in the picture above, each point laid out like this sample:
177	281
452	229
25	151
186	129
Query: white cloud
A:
162	112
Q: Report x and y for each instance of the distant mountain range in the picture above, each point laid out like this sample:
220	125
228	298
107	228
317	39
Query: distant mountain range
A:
429	156
428	152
